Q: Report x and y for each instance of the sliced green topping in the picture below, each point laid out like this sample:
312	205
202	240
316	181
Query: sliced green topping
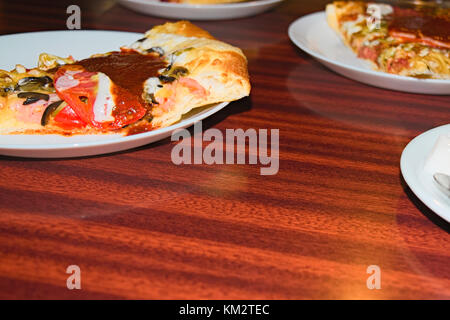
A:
50	111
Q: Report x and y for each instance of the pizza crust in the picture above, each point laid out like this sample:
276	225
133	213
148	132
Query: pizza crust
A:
332	18
217	67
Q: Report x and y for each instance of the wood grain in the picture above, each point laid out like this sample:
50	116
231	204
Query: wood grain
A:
140	227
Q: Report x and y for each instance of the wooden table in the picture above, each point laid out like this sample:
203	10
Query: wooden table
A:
140	227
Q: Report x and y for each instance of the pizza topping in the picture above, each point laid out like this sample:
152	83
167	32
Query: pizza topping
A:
6	83
68	80
379	8
73	84
5	90
128	107
128	70
166	79
65	118
104	101
424	52
86	93
179	71
49	61
181	51
368	52
193	86
107	91
150	87
169	75
32	97
354	26
30	113
158	50
420	26
167	97
396	65
48	111
59	114
34	83
167	41
20	69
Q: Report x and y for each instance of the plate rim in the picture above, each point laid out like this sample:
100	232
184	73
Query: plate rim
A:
237	5
409	172
115	138
317	55
74	31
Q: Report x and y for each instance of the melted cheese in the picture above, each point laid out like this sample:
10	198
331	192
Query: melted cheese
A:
104	102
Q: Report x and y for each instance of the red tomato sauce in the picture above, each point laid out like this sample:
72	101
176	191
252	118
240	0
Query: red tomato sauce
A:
418	26
128	70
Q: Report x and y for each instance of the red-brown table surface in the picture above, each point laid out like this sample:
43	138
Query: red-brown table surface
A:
141	227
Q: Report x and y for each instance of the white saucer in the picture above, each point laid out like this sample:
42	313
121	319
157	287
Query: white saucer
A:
312	34
200	12
422	184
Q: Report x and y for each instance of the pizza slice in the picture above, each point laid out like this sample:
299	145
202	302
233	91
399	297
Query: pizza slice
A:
148	85
404	41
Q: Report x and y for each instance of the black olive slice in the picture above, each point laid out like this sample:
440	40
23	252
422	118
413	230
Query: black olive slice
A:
32	97
51	107
33	83
41	80
158	50
179	71
166	79
30	101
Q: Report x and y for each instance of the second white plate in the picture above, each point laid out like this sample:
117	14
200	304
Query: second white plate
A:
200	12
412	166
312	34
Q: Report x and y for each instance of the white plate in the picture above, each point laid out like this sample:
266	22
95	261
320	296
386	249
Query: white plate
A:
421	183
25	48
200	12
312	34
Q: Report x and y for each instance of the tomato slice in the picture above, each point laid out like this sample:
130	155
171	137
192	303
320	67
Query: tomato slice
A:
96	99
67	119
78	88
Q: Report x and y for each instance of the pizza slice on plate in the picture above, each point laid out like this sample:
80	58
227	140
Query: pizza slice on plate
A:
148	85
404	41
